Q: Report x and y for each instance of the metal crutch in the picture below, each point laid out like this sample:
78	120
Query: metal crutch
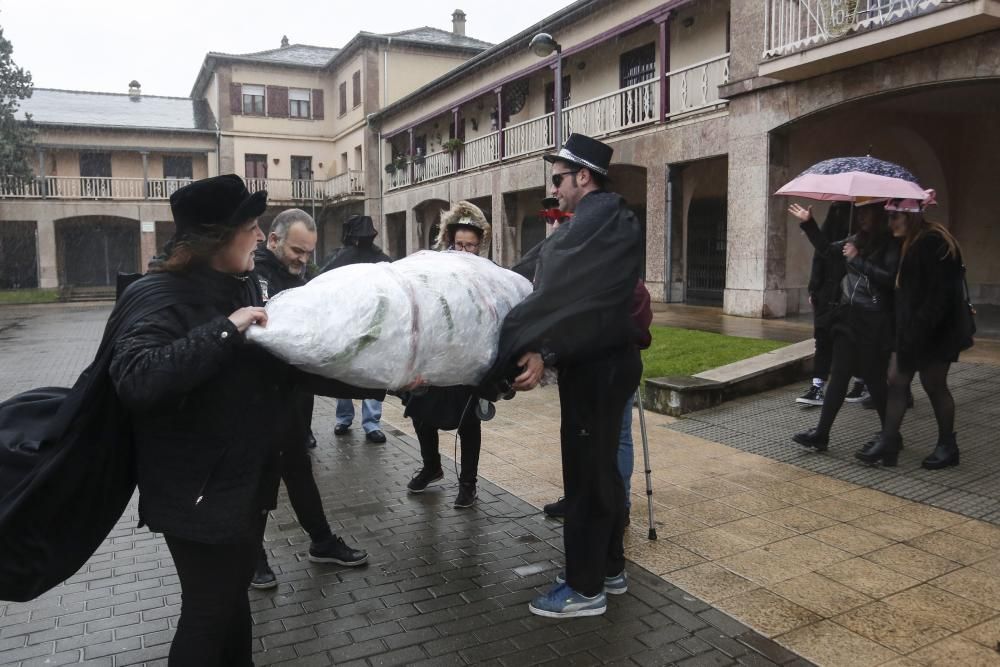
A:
645	459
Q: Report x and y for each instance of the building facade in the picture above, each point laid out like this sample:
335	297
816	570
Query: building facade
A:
710	105
289	120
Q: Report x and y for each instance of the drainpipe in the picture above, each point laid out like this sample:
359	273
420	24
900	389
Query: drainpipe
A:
668	239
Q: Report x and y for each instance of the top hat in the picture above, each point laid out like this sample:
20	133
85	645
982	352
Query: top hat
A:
581	150
359	227
220	200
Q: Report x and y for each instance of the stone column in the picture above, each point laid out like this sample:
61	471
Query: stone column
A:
147	243
413	231
145	174
48	270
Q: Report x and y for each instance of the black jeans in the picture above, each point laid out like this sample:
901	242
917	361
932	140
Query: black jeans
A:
303	494
592	397
470	436
823	360
215	625
852	358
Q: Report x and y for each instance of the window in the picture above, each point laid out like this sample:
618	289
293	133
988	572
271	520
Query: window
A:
177	167
95	173
256	166
356	87
253	100
343	98
358	159
302	175
637	65
343	163
299	103
550	95
302	168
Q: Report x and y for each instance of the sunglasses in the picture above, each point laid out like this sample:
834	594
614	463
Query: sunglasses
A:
557	179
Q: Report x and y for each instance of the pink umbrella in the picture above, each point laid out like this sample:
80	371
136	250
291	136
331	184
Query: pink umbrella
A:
851	185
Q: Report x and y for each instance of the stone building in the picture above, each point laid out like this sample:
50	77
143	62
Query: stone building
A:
290	120
710	105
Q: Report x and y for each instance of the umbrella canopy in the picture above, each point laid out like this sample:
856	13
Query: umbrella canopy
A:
851	178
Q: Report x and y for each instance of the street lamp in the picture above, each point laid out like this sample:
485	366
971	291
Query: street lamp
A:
543	45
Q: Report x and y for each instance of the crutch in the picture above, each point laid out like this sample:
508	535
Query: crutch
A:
645	459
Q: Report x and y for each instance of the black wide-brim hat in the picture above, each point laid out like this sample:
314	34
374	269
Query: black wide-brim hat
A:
360	227
219	200
584	151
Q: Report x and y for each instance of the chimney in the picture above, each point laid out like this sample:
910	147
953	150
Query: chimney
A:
458	22
284	41
134	89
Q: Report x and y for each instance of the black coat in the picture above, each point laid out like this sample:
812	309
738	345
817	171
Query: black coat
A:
208	414
827	271
585	275
272	275
928	300
352	254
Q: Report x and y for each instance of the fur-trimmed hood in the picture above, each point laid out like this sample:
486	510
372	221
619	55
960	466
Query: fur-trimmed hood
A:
463	213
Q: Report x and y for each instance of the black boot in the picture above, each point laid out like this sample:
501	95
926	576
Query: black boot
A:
945	454
885	450
865	448
813	438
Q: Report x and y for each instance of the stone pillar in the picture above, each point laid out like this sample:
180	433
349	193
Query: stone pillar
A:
212	158
413	231
48	269
147	243
498	215
755	247
145	174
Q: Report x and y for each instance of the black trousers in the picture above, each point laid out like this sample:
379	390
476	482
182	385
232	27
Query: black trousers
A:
854	358
470	437
592	397
823	360
215	626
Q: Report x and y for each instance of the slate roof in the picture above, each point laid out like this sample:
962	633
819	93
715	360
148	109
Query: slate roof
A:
437	37
74	107
302	55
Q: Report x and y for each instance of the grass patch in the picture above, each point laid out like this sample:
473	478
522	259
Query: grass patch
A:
20	296
686	351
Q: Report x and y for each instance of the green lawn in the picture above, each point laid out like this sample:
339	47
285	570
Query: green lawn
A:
16	296
686	352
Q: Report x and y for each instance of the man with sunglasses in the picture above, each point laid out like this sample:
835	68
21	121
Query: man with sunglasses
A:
578	321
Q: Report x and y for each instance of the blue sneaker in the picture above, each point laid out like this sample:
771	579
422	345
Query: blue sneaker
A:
616	585
563	602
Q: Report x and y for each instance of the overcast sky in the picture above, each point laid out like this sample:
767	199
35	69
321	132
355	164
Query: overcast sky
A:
103	44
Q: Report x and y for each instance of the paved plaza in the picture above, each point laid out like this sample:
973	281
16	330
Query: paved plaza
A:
766	554
443	586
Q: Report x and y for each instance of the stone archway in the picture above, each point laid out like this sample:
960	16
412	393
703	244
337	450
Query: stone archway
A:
92	250
943	133
427	219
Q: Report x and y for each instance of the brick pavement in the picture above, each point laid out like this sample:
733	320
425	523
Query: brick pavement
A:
443	586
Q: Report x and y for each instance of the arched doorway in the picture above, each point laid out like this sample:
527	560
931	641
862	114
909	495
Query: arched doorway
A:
945	134
629	181
92	250
427	216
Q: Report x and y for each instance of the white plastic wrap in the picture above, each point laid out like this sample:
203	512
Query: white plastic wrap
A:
433	315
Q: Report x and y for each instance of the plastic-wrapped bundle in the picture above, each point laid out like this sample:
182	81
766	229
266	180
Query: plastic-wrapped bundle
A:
433	315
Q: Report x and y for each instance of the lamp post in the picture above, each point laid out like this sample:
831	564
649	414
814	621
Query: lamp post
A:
543	45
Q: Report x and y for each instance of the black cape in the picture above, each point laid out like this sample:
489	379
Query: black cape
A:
584	275
66	458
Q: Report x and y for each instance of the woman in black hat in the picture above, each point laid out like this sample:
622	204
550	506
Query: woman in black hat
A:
207	474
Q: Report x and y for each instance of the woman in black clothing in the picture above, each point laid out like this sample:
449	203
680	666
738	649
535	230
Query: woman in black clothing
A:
928	303
463	228
208	474
862	318
824	293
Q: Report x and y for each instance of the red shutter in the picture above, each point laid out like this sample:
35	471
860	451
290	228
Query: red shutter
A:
236	98
277	101
317	103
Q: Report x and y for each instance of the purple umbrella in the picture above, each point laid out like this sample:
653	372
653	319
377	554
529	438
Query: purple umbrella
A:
853	178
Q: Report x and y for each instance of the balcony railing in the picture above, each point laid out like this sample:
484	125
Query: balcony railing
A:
793	25
691	89
696	86
620	110
99	187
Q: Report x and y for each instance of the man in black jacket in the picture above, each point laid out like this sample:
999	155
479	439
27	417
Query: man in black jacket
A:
281	265
578	321
359	248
